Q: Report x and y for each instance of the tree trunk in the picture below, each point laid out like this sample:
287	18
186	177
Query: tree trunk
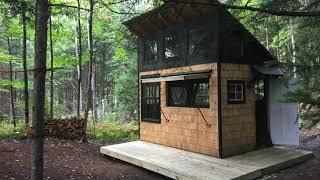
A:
51	66
94	97
12	112
42	15
89	98
293	45
278	40
267	37
104	80
79	99
25	72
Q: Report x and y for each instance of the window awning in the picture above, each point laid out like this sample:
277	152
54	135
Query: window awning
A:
177	77
269	71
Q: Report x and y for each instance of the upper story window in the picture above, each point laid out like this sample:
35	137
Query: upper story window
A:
150	52
173	46
236	92
189	93
201	42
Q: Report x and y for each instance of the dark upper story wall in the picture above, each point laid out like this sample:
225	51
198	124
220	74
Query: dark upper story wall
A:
181	45
179	36
238	45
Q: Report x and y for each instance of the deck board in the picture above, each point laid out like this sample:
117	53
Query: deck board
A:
180	164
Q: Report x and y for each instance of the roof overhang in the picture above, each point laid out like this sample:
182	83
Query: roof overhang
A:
268	71
176	76
168	15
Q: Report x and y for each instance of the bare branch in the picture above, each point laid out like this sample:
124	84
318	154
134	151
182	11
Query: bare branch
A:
114	11
68	6
253	9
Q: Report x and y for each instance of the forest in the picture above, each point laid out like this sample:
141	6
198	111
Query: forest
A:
90	67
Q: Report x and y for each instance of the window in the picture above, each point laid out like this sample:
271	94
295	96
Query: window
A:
150	102
150	52
201	42
236	92
189	93
173	46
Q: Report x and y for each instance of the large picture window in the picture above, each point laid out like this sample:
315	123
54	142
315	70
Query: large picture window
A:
189	93
236	92
173	46
150	102
150	52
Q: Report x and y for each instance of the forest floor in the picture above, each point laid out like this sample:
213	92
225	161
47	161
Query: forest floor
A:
66	159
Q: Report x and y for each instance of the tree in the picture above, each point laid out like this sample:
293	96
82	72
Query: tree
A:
25	68
13	114
79	58
51	64
89	94
42	15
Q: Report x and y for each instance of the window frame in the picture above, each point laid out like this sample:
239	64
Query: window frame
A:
243	92
191	94
181	38
148	119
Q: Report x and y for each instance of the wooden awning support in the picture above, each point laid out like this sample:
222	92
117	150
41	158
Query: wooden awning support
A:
177	77
204	119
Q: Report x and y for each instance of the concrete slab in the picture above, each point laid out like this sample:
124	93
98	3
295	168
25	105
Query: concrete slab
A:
180	164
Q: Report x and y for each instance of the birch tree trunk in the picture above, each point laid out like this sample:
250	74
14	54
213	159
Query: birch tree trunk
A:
51	66
12	112
42	15
293	45
267	37
25	72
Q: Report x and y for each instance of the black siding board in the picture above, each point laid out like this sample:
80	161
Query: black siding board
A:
254	52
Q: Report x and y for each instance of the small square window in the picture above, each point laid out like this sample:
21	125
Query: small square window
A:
236	92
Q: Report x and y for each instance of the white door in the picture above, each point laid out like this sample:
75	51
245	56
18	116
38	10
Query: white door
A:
284	127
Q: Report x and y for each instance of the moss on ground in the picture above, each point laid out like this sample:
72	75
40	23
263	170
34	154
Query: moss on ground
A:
113	132
7	131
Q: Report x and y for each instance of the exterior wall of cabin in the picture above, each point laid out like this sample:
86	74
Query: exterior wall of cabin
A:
238	120
185	129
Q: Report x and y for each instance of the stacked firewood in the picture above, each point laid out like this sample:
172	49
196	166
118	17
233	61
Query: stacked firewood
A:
69	128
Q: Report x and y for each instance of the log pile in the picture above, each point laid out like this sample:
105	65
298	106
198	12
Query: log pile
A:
69	128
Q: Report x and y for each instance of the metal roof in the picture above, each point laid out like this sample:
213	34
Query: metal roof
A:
267	70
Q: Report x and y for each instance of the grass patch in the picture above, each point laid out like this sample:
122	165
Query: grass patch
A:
113	132
7	131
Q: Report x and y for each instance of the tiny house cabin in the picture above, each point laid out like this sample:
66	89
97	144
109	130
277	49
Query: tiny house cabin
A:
203	84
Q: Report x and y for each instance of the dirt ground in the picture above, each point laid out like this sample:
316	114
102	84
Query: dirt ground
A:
66	160
75	160
309	170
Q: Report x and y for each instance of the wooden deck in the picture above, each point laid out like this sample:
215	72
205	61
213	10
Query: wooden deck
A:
180	164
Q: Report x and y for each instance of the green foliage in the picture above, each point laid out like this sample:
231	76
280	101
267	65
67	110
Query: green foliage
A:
18	84
112	132
120	54
6	58
3	90
304	97
7	131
